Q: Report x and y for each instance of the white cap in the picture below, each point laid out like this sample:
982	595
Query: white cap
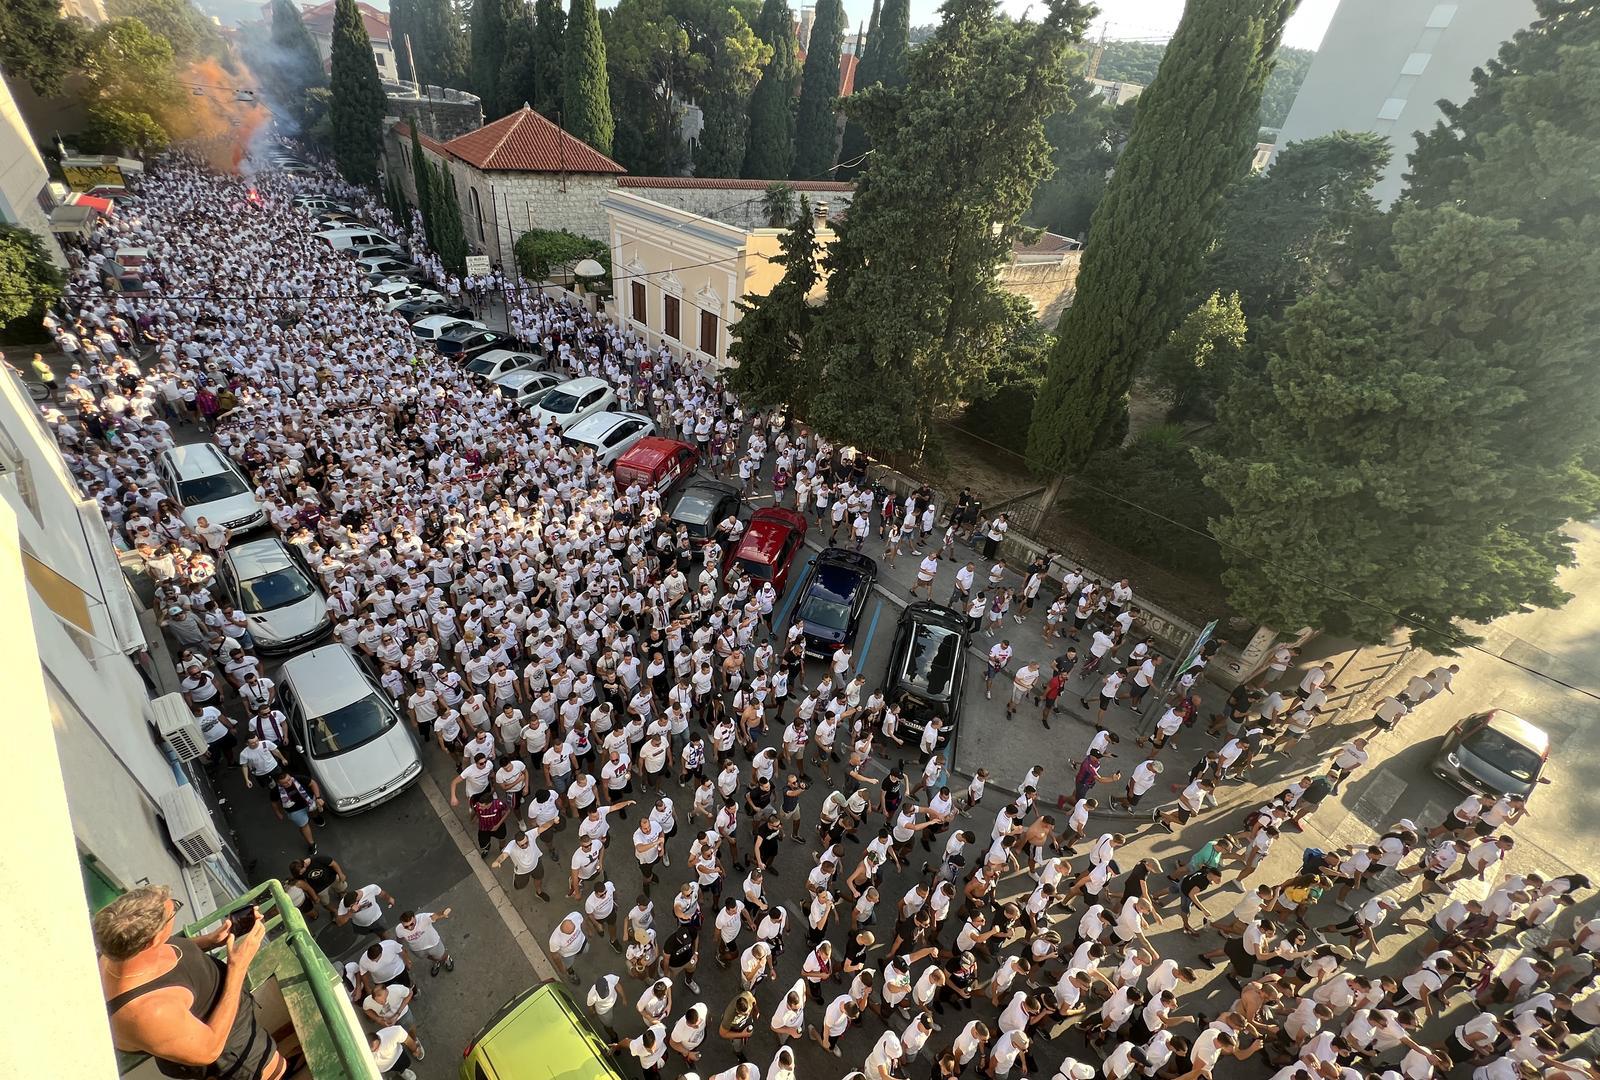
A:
1073	1069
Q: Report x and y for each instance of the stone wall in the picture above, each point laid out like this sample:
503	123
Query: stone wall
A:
1047	284
438	112
739	206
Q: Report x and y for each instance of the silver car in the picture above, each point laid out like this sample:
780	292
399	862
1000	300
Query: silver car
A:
359	750
1495	753
276	592
207	484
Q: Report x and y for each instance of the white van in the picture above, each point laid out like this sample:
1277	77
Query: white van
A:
345	239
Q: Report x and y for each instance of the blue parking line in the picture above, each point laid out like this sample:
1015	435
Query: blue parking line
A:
781	616
861	661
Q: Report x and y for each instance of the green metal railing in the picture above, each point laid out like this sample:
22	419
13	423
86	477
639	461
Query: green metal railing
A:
327	990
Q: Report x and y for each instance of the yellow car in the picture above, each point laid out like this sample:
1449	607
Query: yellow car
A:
540	1034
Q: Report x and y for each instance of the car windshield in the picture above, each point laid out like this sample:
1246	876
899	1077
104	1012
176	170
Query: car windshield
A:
347	728
826	613
558	401
480	366
827	601
931	661
1506	754
757	571
204	489
695	509
273	590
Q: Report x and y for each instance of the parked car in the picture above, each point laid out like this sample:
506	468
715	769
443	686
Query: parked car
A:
414	311
540	1032
1495	752
525	387
927	667
343	239
338	219
389	266
207	484
492	363
657	463
702	505
392	294
429	327
832	599
769	545
358	749
314	204
465	342
377	251
609	434
570	402
277	592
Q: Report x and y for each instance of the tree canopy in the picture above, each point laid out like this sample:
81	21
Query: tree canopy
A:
774	368
816	127
29	281
358	101
585	89
37	44
769	148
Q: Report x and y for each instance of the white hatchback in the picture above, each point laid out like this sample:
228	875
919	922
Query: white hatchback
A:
429	329
570	402
609	434
391	294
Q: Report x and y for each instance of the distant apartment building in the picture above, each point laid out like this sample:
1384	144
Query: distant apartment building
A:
1116	91
1384	65
319	20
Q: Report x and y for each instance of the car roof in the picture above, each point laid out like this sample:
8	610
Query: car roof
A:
651	450
325	679
389	287
467	329
712	488
354	230
1519	730
544	1038
846	559
516	380
597	425
501	354
196	459
434	322
927	612
255	558
584	384
768	529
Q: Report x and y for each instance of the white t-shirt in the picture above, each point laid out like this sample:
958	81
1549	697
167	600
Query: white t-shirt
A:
421	937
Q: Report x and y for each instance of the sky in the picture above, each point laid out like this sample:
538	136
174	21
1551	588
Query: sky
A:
1131	18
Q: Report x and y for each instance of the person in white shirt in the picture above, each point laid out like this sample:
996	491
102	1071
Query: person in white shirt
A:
567	940
417	931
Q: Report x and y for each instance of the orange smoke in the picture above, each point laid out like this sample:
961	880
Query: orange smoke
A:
215	125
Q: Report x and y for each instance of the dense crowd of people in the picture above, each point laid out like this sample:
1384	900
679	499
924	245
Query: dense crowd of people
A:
616	705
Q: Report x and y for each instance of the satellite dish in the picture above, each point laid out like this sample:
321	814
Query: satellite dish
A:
588	268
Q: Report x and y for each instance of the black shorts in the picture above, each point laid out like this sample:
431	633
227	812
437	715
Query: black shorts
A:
520	881
377	929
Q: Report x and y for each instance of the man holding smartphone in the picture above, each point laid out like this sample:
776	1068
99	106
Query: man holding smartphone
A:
169	998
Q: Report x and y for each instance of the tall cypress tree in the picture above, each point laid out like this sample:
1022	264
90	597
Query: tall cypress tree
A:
769	147
518	83
492	22
549	30
295	65
437	43
422	172
816	126
356	111
402	24
854	143
449	236
894	43
1191	139
585	90
773	366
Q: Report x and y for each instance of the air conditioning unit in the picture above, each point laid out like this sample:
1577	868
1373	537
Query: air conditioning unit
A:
178	727
189	824
204	900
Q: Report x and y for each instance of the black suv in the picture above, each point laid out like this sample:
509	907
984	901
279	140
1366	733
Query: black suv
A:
927	666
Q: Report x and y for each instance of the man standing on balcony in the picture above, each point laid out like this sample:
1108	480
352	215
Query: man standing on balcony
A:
168	998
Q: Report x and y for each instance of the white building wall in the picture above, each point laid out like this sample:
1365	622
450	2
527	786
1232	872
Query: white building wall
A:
1385	64
22	175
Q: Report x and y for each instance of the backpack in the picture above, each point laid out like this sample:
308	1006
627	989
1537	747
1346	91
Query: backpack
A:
1311	860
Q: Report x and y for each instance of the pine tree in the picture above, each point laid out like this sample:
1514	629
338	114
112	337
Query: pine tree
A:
437	43
585	90
549	30
1192	136
915	320
294	65
449	239
492	22
894	44
1420	437
358	102
816	124
773	367
769	145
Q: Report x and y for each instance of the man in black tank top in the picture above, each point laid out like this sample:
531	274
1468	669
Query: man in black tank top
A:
168	998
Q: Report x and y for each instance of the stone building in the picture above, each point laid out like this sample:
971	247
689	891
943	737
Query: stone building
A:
1045	273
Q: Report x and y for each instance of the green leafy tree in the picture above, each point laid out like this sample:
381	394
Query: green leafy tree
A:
178	22
110	129
915	319
292	65
1418	438
894	44
37	44
778	204
540	252
585	90
1192	135
438	43
1299	225
1198	358
519	83
449	238
491	38
131	90
1131	61
1288	72
769	147
651	64
358	102
403	23
854	143
729	61
816	125
774	367
29	281
1084	141
549	29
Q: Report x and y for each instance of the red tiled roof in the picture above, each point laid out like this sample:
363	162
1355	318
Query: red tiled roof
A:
728	184
524	141
319	20
403	130
848	62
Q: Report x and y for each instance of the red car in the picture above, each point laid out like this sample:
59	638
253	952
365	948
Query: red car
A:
769	545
